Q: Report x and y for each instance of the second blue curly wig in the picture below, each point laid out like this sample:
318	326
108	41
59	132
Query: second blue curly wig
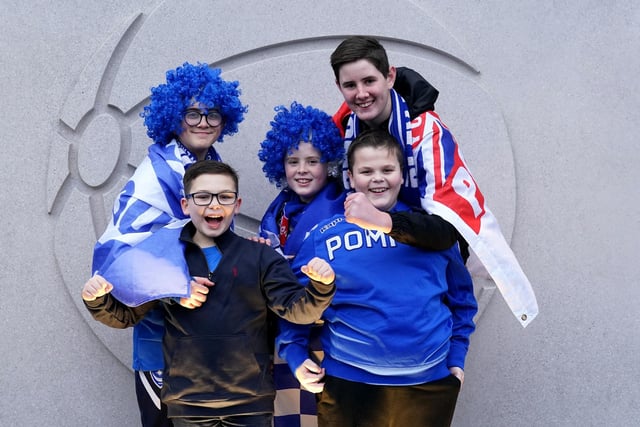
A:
291	126
185	85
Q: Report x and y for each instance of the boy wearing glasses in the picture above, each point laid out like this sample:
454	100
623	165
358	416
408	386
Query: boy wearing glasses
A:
216	347
186	115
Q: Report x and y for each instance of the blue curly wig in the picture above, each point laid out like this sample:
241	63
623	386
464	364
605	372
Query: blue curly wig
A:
291	126
186	84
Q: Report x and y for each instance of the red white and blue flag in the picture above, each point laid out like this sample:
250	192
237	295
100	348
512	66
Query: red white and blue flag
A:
438	179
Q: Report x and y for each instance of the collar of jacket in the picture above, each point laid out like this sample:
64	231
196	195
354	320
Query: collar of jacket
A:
222	242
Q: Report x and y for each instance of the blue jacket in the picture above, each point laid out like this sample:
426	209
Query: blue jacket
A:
400	316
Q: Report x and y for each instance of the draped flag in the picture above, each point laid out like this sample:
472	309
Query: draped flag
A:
153	269
148	202
437	178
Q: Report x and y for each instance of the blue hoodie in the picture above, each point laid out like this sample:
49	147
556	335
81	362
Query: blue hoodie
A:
400	316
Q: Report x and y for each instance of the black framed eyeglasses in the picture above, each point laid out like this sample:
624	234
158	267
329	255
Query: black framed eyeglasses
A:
194	117
203	198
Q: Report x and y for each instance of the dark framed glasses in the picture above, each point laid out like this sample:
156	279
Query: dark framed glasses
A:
203	198
194	117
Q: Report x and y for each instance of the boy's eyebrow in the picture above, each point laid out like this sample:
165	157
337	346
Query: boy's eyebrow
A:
212	192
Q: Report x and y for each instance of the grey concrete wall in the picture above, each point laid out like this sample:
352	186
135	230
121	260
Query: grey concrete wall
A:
542	96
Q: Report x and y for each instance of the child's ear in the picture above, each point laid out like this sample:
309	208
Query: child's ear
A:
184	203
391	77
236	210
350	175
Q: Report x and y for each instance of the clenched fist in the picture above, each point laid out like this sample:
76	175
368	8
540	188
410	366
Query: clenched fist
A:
319	270
96	287
359	210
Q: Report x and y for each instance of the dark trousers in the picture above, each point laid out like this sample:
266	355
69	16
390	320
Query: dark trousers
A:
153	413
350	404
261	420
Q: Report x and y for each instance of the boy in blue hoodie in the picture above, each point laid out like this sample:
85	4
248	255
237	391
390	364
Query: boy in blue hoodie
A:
397	332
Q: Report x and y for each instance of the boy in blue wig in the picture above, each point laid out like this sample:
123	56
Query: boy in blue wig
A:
186	115
301	155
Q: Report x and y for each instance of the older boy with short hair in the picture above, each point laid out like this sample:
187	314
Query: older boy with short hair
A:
435	174
216	349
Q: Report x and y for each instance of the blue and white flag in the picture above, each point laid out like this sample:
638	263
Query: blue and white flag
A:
149	201
153	269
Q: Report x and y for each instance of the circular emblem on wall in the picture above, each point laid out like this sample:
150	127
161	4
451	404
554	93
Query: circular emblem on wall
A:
100	138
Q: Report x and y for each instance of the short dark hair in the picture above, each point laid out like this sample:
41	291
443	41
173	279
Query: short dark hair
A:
375	138
208	167
356	48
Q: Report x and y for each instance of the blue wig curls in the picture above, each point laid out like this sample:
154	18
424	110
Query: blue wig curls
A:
288	129
185	85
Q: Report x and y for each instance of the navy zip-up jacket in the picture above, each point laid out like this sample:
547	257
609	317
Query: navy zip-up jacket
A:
217	358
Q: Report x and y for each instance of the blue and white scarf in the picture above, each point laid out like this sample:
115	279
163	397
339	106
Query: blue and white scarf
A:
437	178
149	201
302	216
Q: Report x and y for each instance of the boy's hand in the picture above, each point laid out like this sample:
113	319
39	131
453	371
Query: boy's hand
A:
458	373
96	287
319	270
360	211
260	240
309	374
199	291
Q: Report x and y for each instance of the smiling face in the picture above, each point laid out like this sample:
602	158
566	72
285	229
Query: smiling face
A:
376	172
305	174
199	138
366	91
214	219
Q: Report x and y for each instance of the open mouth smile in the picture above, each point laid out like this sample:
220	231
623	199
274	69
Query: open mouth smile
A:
214	219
